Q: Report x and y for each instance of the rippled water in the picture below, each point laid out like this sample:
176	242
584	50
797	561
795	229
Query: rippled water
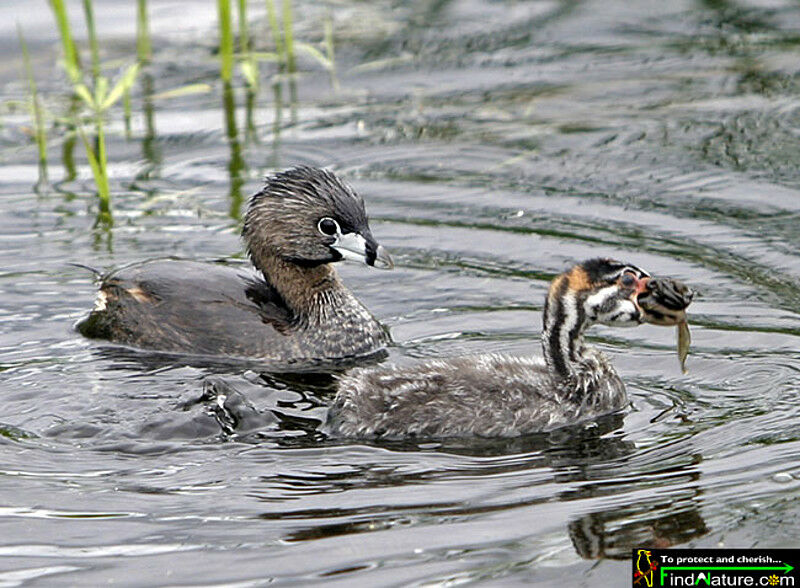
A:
495	144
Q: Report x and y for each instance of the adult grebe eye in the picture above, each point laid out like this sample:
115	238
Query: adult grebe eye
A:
328	227
627	279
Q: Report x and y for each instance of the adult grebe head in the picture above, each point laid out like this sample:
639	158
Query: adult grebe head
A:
308	217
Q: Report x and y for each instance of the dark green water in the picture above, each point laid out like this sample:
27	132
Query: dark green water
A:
495	143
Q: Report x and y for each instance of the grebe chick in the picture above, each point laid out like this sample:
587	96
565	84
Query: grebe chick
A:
294	308
500	396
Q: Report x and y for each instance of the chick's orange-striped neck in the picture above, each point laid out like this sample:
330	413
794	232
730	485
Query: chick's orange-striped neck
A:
596	291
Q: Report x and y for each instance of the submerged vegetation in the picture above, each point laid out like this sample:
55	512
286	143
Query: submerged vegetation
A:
94	94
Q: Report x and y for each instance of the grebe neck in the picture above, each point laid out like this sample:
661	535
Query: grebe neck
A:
309	291
575	368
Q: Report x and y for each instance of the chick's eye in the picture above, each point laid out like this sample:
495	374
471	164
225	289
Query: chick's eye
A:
327	226
627	280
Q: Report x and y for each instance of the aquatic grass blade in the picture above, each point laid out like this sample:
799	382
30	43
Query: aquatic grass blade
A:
265	56
314	53
187	90
71	60
124	84
100	91
250	72
82	91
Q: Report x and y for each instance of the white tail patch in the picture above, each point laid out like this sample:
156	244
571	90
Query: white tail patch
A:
101	301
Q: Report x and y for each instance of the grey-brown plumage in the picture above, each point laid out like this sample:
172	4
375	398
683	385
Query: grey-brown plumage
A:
291	307
501	396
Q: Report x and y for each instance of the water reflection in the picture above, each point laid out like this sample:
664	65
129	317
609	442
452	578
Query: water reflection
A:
277	99
68	144
251	136
647	506
654	523
653	500
151	149
236	163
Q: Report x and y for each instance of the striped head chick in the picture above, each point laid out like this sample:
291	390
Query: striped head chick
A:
596	291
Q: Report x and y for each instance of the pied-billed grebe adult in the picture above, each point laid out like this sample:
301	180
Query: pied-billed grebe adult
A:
303	220
500	396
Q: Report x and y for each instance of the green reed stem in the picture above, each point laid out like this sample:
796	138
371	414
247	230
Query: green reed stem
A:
249	64
94	48
98	163
71	60
104	192
103	189
272	17
225	40
244	37
288	35
144	49
40	133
